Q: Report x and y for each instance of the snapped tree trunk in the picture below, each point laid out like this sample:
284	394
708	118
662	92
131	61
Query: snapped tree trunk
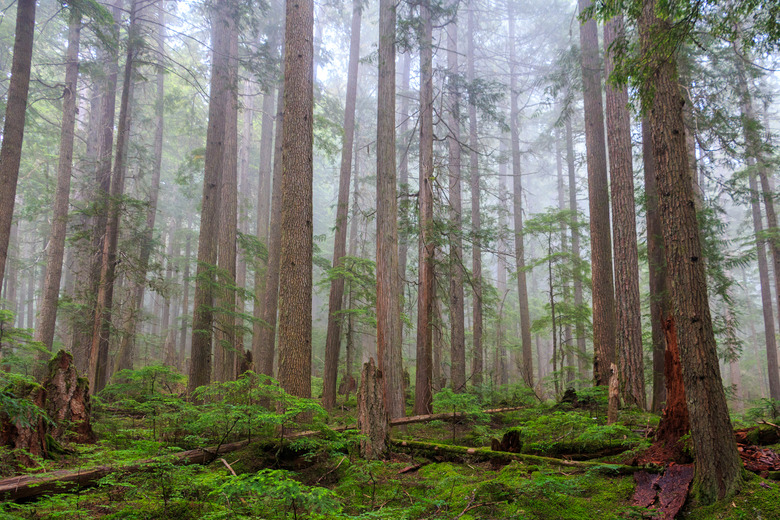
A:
373	420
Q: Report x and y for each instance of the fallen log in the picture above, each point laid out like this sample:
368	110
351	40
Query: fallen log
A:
29	486
428	449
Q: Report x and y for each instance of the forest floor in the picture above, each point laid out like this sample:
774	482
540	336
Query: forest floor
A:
323	477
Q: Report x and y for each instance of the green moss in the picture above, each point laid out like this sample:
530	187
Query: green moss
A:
757	498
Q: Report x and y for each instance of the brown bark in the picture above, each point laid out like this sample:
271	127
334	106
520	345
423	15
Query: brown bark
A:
403	164
13	127
718	466
56	246
101	330
628	316
295	276
598	199
457	275
67	401
501	265
263	218
517	185
333	336
202	312
659	298
674	421
388	291
166	330
476	219
566	347
373	419
125	356
423	393
225	337
185	302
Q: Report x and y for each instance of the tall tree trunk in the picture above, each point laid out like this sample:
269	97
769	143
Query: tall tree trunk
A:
598	199
403	164
423	395
628	316
457	275
295	275
718	465
13	127
353	240
202	312
476	218
517	184
185	301
566	347
101	331
501	265
125	356
56	248
333	337
388	290
225	344
659	298
166	314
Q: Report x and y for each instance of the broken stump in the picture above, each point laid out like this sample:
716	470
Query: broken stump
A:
373	420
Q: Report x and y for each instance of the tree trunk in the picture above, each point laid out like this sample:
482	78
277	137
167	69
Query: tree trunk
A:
598	199
388	291
566	347
13	127
517	184
225	337
718	466
628	316
263	217
476	218
185	302
659	298
56	247
373	419
166	328
125	356
423	395
295	275
501	265
101	331
202	312
403	165
333	337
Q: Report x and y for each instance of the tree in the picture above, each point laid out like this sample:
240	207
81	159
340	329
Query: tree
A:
295	275
203	309
333	337
517	184
388	291
423	393
718	465
13	127
598	200
56	248
627	309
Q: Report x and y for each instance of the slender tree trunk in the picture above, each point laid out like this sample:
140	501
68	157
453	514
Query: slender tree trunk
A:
501	265
388	290
295	275
517	183
13	127
202	312
333	337
476	218
659	298
579	328
457	332
353	240
56	248
101	330
598	199
566	347
225	344
185	301
166	314
628	316
263	232
403	164
126	355
718	465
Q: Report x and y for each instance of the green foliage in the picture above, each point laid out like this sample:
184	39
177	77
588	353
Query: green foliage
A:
764	409
15	402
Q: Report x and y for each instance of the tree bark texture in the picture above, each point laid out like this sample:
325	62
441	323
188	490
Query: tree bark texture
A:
628	318
336	299
295	275
423	393
718	465
388	290
13	126
373	419
598	199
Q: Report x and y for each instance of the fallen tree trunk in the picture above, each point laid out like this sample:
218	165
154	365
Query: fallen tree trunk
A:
428	449
28	486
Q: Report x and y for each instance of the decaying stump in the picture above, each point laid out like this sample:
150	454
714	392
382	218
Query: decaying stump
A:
26	430
347	385
614	395
373	420
674	421
67	401
510	442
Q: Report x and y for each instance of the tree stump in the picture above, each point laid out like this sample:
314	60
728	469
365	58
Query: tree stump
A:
614	395
25	431
674	421
373	420
67	401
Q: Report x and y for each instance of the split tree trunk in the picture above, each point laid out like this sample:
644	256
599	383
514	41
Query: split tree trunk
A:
373	419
